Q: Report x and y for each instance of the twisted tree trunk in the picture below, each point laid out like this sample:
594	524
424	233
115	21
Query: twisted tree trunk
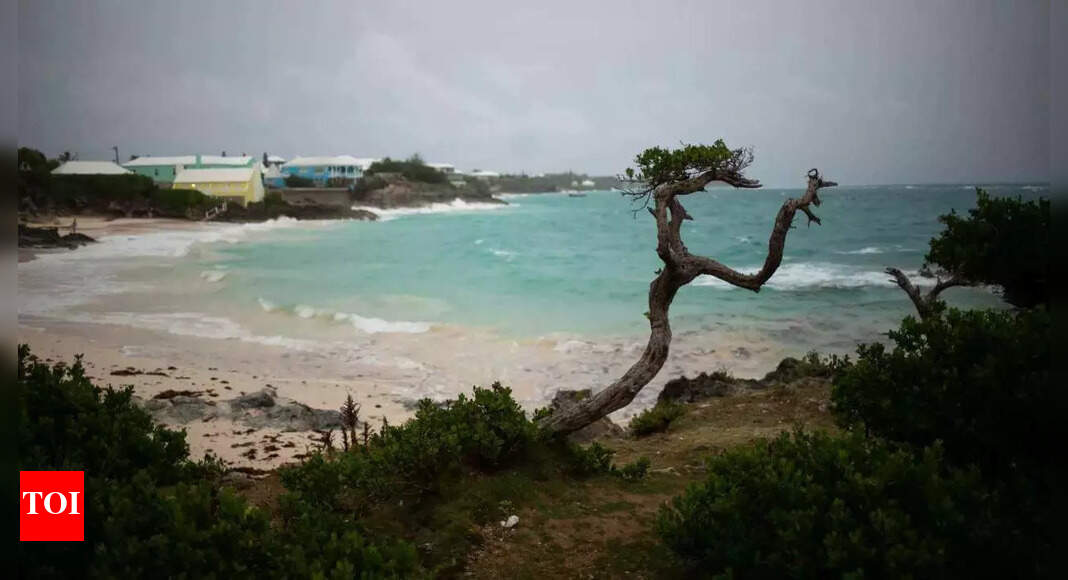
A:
926	304
680	268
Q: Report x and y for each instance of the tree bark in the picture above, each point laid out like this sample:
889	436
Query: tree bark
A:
926	304
680	268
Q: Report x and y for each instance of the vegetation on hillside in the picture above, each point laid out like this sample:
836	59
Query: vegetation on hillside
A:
943	470
413	169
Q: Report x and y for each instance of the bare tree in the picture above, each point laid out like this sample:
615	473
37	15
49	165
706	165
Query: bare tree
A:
926	304
663	177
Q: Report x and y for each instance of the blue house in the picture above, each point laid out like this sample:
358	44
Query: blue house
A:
322	169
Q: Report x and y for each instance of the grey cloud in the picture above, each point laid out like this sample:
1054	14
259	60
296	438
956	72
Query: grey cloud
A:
874	92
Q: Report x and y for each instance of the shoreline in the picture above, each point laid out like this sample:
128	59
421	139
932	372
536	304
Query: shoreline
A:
385	372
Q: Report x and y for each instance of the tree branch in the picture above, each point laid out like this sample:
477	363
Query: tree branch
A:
926	305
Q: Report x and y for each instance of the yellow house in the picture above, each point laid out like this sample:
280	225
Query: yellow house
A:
237	184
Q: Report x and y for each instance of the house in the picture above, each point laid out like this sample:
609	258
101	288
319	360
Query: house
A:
163	170
90	168
446	168
272	176
323	169
588	183
483	175
275	161
235	184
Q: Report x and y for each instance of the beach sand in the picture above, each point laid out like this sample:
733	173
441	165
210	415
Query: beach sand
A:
385	373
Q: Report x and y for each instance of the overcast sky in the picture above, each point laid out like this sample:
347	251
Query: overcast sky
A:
870	92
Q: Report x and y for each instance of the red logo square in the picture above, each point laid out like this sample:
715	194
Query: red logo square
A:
51	506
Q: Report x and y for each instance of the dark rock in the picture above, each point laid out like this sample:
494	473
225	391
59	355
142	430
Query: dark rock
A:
260	399
30	237
703	386
171	393
791	369
293	416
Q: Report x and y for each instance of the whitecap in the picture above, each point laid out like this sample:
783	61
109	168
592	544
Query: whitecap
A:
865	250
267	305
810	275
376	325
213	275
455	206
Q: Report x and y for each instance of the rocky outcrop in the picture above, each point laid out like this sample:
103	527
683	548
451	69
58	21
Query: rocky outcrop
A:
704	386
790	372
262	211
30	237
601	429
394	191
259	410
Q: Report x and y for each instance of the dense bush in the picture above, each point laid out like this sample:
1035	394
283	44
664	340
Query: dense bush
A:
656	419
150	512
185	203
485	431
298	181
977	380
817	506
413	169
1002	241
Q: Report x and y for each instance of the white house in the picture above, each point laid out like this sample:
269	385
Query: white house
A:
480	174
90	168
446	168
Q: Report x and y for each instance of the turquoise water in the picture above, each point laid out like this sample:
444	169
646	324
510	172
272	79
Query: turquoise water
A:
557	264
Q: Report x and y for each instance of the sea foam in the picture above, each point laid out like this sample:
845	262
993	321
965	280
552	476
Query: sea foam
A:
454	206
810	276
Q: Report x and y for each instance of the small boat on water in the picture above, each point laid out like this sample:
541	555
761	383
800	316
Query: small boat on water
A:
576	195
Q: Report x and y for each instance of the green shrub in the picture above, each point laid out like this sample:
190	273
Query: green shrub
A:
1002	241
636	470
150	512
484	432
656	419
413	169
181	202
298	181
592	459
816	506
977	380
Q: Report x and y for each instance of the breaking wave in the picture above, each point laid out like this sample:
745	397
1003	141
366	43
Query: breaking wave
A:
454	206
810	276
367	324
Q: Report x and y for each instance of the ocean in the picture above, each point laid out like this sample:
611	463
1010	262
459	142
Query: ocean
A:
548	280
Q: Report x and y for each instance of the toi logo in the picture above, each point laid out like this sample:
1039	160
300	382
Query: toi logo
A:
51	506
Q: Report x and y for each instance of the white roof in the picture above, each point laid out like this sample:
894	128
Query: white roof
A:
220	160
89	168
148	161
484	174
366	162
441	165
239	174
275	159
317	161
188	160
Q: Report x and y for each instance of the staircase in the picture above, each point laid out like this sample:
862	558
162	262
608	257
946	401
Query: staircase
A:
214	212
